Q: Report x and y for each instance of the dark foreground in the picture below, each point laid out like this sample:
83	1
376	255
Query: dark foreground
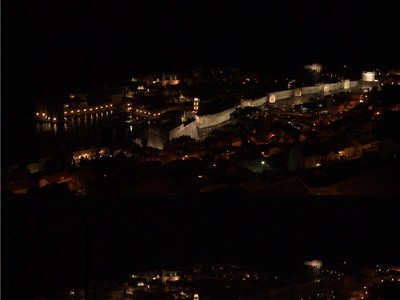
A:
43	239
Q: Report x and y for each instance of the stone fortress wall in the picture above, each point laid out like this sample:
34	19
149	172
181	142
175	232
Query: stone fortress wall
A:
199	128
214	119
188	130
223	116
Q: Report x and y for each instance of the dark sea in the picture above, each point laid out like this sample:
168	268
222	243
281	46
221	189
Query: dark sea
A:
25	141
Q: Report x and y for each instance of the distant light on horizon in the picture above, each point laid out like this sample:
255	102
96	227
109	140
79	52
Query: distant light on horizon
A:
314	263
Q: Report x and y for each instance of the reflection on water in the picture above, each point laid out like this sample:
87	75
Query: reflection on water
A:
30	140
44	127
100	129
97	129
76	122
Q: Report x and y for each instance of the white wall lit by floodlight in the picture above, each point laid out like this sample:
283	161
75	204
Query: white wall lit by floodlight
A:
368	76
272	98
346	84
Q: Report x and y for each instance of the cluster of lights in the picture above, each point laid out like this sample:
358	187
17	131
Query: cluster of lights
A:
90	109
91	155
46	117
145	112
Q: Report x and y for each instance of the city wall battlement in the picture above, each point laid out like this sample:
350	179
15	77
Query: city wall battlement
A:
223	116
206	123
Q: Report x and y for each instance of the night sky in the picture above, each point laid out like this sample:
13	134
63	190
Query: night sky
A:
51	46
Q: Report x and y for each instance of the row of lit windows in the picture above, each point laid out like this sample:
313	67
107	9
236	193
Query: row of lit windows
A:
90	109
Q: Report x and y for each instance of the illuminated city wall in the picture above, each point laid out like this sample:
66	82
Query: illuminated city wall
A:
368	76
215	119
158	137
218	118
276	96
346	84
259	102
283	94
245	103
329	87
353	83
310	89
253	103
182	130
209	121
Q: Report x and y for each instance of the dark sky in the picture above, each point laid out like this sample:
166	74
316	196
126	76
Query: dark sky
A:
52	45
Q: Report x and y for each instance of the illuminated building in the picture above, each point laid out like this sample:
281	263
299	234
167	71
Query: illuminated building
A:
171	79
368	81
196	105
368	76
314	67
171	276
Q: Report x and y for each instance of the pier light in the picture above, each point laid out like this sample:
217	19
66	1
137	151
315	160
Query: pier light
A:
110	104
91	109
65	112
106	105
101	107
43	115
84	109
78	110
37	114
54	119
72	111
96	108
